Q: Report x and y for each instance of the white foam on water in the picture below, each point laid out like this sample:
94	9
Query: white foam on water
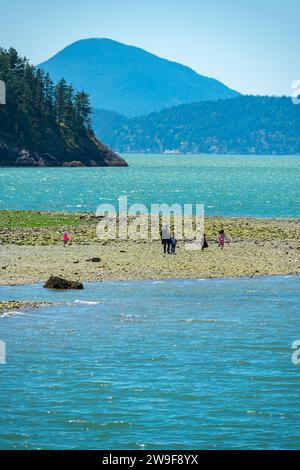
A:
12	313
87	302
199	320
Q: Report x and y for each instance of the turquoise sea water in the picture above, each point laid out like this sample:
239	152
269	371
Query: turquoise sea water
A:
153	365
227	185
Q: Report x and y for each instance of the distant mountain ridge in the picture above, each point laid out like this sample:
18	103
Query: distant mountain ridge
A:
244	125
129	80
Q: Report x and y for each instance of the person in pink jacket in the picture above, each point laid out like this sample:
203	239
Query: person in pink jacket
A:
66	238
221	239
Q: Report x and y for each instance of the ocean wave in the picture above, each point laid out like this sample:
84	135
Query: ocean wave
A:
11	313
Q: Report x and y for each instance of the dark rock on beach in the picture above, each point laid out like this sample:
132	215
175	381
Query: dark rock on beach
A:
91	217
62	284
94	260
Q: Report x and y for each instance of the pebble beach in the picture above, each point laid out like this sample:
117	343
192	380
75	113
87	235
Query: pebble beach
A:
31	250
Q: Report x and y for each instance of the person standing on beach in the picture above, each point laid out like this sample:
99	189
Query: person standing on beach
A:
66	238
221	239
173	244
166	238
203	242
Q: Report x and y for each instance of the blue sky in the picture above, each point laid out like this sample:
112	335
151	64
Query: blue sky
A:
251	45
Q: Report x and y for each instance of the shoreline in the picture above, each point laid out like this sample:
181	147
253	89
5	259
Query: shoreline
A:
31	251
34	304
7	306
78	213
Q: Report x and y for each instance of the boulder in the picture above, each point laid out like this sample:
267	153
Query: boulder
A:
94	260
73	164
55	282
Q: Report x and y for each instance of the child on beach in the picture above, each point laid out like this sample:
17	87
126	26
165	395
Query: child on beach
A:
221	239
173	244
66	238
203	242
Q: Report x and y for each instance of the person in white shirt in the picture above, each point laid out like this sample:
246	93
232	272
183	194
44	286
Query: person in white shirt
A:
166	238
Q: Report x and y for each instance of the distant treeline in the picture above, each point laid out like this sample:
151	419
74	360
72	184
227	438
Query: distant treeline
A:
40	117
243	125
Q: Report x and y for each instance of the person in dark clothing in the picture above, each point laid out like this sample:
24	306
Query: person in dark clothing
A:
166	245
173	244
204	243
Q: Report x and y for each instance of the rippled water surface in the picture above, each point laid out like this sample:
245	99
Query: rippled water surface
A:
154	365
227	185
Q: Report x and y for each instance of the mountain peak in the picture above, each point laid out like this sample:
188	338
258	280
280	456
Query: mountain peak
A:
130	80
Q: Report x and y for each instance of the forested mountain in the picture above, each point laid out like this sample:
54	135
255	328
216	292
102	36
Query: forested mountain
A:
243	125
108	124
129	80
45	124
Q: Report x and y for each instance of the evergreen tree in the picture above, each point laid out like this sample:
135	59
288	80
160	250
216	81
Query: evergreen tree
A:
83	109
61	101
70	112
49	95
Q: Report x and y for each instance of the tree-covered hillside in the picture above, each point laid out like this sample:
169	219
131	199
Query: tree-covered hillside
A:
243	125
45	124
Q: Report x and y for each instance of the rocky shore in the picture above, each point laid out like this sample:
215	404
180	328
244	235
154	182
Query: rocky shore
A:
31	250
99	155
12	305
